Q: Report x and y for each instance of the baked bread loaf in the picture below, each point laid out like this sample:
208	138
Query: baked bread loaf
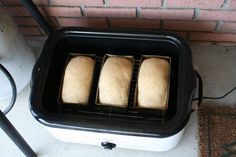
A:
78	80
153	82
114	82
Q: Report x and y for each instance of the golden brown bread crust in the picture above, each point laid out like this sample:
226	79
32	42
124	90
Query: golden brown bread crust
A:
114	82
153	82
78	80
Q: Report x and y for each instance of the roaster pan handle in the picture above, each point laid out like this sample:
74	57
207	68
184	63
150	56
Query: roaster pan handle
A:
200	89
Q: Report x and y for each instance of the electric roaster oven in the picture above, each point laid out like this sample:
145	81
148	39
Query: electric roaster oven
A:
109	126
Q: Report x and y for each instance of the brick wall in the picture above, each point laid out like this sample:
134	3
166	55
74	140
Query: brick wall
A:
198	21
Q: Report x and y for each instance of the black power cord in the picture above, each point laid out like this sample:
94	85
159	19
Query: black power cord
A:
221	97
13	86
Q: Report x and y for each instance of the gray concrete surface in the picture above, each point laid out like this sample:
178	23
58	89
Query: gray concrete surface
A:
215	64
217	68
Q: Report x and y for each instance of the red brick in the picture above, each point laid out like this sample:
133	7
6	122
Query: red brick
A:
83	22
77	2
228	27
167	14
135	3
134	23
217	37
25	21
11	2
41	2
202	43
17	11
29	21
226	44
61	11
195	4
217	15
232	4
182	34
190	25
30	30
17	2
110	12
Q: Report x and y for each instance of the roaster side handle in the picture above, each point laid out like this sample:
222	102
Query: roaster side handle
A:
200	88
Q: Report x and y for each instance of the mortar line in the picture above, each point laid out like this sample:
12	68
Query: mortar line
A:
82	10
164	3
138	12
196	14
218	26
225	5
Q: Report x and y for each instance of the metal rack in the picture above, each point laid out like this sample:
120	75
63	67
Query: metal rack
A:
6	125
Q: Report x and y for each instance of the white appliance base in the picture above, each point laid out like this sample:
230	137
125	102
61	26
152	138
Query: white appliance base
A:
121	141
